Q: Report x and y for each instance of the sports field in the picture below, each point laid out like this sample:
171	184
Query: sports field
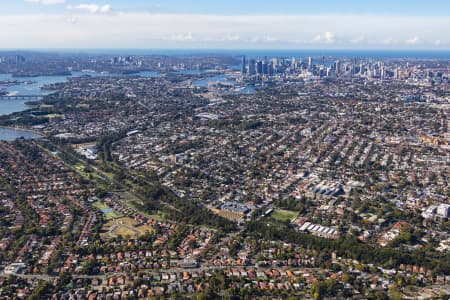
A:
124	227
283	215
107	211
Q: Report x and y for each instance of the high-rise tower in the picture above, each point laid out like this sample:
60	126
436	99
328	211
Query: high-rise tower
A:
244	66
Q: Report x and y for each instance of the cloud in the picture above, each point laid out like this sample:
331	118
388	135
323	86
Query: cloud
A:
390	41
181	37
231	38
270	39
358	39
92	8
413	40
100	29
327	37
46	2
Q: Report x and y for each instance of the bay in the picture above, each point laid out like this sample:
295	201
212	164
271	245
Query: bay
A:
11	134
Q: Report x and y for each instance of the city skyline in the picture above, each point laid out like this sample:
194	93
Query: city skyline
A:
224	25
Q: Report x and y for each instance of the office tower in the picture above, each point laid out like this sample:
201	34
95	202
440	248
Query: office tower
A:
271	69
244	66
337	67
259	67
252	67
265	67
329	72
274	64
309	63
293	63
396	73
19	59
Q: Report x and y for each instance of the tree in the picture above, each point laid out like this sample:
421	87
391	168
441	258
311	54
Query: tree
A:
394	293
38	293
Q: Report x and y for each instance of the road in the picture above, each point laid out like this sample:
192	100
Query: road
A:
205	268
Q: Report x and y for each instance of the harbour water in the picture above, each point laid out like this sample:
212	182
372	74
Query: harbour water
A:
217	78
11	106
246	90
33	85
11	134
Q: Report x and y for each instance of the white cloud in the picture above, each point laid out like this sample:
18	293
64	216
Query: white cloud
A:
231	38
181	37
327	37
270	39
413	40
390	41
357	39
47	2
100	29
92	8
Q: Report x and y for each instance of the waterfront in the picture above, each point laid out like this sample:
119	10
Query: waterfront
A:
226	80
217	78
33	86
10	134
10	106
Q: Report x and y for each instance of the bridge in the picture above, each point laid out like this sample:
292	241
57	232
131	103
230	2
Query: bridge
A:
22	97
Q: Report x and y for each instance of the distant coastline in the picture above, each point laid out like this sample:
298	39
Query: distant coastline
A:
361	53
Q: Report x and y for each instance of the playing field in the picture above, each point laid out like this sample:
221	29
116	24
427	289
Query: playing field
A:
124	227
233	216
283	215
107	211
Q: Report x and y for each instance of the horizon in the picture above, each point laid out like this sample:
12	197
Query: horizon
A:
223	50
255	53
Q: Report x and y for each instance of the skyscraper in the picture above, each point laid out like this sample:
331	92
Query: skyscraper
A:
265	67
252	67
244	66
337	67
20	59
259	67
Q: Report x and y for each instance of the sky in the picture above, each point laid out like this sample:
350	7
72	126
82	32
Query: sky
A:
225	24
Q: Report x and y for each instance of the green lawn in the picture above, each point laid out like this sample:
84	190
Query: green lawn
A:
81	170
107	211
283	215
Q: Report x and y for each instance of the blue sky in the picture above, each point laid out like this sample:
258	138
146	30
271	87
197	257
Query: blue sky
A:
252	7
254	24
